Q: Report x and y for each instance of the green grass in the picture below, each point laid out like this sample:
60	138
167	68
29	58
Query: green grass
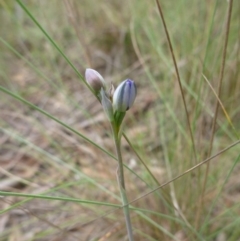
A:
58	167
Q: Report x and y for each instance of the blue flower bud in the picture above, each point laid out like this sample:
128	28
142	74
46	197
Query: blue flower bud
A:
94	79
124	96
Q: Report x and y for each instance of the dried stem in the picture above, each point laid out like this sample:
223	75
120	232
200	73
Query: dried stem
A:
178	78
217	99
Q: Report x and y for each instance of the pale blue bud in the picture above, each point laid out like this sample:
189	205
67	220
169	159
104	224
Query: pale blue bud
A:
124	96
94	79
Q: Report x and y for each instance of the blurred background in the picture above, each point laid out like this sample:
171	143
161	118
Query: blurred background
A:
56	146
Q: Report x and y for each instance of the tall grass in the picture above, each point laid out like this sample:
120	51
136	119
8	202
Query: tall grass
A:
58	170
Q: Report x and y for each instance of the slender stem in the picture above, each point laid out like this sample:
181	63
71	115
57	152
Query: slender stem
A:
217	101
121	182
178	79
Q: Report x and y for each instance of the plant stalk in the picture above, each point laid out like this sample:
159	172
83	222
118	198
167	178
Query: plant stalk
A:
121	182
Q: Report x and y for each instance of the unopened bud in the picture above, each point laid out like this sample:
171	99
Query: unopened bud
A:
124	96
107	105
111	92
94	79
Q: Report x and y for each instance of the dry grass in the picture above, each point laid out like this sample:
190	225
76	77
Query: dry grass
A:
121	40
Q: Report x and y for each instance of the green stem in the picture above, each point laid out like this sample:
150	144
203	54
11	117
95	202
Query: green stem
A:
121	182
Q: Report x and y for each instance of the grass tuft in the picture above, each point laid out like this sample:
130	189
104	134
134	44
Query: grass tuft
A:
180	150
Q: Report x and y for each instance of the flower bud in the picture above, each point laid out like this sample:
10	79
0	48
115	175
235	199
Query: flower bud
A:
94	79
111	92
124	96
107	105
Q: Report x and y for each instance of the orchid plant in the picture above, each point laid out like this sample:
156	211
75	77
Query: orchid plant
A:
115	104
